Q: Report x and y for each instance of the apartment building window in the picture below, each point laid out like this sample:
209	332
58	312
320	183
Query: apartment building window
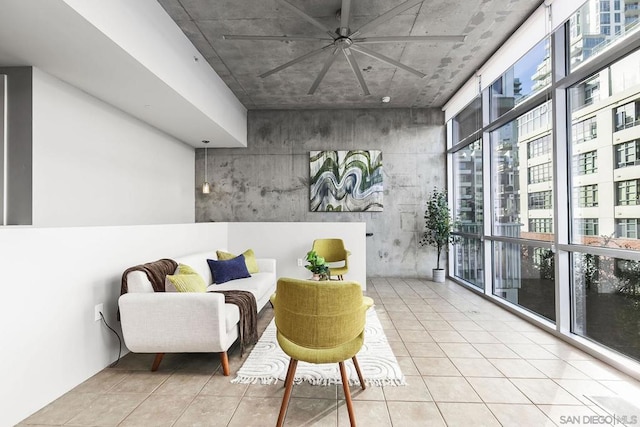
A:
535	120
588	196
605	19
540	173
586	93
605	6
627	192
616	18
587	226
584	130
627	115
627	154
586	163
541	225
541	200
539	147
627	228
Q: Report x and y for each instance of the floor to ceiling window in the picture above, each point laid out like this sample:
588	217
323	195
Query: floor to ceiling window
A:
605	205
468	195
545	177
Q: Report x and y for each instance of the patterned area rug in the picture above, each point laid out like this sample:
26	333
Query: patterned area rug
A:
267	363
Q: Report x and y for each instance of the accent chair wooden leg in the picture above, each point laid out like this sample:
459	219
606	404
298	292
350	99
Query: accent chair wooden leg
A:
293	364
156	361
224	361
347	394
355	363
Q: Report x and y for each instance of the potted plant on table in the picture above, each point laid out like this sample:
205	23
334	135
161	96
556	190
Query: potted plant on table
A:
317	266
439	227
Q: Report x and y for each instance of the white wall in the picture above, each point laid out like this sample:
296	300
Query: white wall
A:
95	165
53	278
137	26
288	241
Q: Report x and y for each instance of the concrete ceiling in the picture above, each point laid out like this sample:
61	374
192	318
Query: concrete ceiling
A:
447	65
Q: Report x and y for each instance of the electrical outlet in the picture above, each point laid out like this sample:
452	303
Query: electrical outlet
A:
300	264
97	310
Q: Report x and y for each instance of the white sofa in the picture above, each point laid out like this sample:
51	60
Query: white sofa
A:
179	322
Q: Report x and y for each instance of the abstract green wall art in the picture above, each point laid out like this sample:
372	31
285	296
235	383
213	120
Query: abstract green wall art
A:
345	181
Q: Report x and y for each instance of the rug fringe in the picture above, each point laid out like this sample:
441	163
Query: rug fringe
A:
266	380
381	382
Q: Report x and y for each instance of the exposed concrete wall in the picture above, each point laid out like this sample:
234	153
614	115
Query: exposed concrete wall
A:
269	180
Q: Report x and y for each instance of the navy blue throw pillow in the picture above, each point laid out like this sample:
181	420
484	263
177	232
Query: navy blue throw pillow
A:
223	271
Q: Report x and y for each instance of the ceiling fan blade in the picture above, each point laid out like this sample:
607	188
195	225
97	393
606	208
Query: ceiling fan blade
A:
295	61
386	16
387	60
309	19
327	64
345	11
404	39
277	38
356	70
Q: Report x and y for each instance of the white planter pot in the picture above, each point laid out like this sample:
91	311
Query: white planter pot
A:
438	275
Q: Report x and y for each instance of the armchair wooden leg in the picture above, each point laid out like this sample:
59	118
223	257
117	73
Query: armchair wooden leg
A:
293	364
355	363
347	394
224	361
156	361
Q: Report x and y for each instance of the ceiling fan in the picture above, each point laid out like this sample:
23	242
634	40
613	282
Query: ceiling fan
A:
344	40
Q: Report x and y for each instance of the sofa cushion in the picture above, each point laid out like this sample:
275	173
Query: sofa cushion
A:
231	316
259	284
198	261
187	282
232	269
180	269
185	269
249	259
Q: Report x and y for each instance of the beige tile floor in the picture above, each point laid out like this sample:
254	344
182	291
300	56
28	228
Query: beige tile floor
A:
467	361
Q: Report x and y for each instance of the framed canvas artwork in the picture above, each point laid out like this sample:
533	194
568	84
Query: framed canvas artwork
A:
345	181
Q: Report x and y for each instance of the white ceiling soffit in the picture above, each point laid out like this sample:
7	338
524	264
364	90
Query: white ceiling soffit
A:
129	54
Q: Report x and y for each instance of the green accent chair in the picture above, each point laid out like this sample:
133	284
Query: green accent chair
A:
333	251
320	322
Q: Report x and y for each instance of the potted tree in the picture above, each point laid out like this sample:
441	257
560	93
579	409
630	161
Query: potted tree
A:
438	228
317	266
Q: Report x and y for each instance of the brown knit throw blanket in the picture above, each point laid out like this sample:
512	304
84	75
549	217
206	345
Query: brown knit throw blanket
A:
246	303
156	272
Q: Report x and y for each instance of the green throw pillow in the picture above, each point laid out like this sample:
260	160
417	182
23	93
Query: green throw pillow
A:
188	282
185	269
249	259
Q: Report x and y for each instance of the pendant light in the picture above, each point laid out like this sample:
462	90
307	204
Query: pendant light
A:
206	188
